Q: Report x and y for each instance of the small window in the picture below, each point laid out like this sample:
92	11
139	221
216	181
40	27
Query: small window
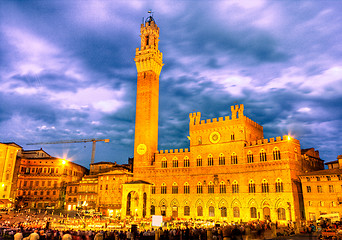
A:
308	189
319	189
263	157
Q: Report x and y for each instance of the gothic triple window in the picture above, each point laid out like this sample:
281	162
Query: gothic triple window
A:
265	187
222	159
163	189
199	188
186	188
263	157
235	187
174	188
276	154
223	187
279	186
186	162
199	161
164	163
234	158
250	157
251	186
210	160
175	162
211	188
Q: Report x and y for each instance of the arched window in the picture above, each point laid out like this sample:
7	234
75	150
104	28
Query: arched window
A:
163	189
199	188
264	186
222	187
253	212
236	212
263	157
186	211
199	211
250	157
199	161
174	188
199	140
234	158
186	188
211	187
222	159
281	214
186	162
164	163
153	189
235	187
276	154
211	211
153	210
279	185
210	160
251	186
232	137
175	162
223	212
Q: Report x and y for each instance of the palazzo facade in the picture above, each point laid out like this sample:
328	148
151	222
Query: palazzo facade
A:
230	172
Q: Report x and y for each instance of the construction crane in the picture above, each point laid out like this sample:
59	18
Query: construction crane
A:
76	141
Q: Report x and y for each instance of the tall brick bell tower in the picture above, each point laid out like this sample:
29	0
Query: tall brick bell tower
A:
149	63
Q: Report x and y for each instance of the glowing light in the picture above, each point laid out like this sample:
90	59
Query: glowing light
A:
3	185
63	162
288	137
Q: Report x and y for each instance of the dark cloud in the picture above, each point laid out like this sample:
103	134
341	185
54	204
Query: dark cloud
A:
67	71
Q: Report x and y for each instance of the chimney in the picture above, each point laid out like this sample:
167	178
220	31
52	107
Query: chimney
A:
339	158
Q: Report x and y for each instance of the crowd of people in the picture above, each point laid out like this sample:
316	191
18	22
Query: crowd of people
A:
48	227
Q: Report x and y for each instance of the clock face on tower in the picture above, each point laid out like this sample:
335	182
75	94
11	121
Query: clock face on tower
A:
215	137
141	149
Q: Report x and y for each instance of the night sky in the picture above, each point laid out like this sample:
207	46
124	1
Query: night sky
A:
67	71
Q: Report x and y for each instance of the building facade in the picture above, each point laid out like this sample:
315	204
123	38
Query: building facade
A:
322	191
42	179
230	171
8	159
101	190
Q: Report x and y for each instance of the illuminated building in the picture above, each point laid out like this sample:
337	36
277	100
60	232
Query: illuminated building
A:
230	172
8	157
101	190
42	179
322	191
